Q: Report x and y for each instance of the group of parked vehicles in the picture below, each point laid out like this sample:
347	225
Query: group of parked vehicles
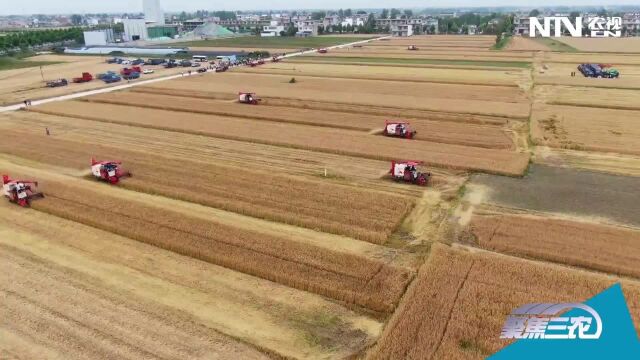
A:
598	71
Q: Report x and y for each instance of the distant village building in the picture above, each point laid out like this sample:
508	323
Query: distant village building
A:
307	27
631	21
99	37
135	29
273	29
402	30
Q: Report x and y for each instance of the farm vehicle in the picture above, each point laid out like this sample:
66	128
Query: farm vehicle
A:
398	129
248	98
109	77
131	75
598	71
323	51
412	47
406	171
86	77
57	83
128	71
109	171
20	192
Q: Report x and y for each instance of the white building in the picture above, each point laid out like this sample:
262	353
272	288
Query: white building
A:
98	37
402	30
273	29
153	12
631	21
307	27
351	21
135	29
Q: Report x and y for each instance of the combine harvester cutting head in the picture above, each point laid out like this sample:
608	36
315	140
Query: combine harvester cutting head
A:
20	192
399	129
406	171
248	98
109	171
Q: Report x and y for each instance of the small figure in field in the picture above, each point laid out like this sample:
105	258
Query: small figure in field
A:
26	103
189	72
47	130
29	101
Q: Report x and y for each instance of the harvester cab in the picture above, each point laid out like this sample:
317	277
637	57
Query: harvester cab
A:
109	171
248	98
406	171
399	129
20	192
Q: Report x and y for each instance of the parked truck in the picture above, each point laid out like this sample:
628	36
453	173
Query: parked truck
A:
132	75
86	77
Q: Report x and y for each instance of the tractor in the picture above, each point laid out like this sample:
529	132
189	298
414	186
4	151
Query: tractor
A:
109	171
399	129
412	47
248	98
406	171
323	51
20	192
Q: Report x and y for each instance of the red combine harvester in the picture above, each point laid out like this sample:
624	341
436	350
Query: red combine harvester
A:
399	129
109	171
323	51
20	192
86	77
406	171
248	98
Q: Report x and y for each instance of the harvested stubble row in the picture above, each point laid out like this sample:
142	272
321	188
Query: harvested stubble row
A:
456	307
485	136
332	106
362	214
337	141
371	284
599	247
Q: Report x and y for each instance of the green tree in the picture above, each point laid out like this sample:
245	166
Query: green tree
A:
340	13
318	15
534	13
394	13
348	13
384	14
408	13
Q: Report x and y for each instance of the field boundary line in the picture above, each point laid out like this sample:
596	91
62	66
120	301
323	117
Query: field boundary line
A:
453	306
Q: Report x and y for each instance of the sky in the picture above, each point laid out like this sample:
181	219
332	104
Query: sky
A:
12	7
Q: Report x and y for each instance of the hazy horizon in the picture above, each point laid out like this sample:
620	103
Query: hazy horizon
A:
135	6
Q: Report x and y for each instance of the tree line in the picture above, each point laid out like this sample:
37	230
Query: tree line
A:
26	39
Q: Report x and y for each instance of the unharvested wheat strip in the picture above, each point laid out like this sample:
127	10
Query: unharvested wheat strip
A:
428	75
468	99
298	136
371	284
485	289
593	246
374	110
102	281
330	208
437	131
